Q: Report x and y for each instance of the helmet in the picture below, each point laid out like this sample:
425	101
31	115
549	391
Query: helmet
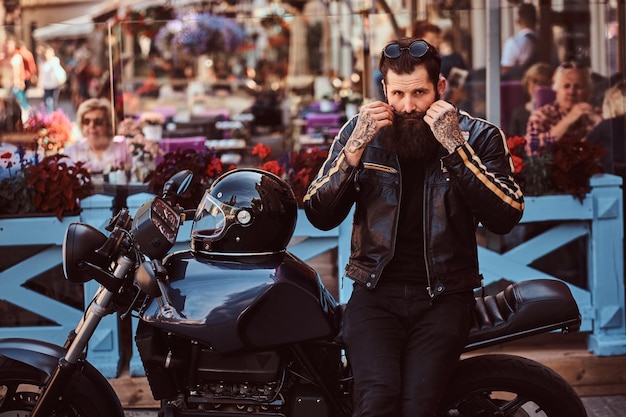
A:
245	211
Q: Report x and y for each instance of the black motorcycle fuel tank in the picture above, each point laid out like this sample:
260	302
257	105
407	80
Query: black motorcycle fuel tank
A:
244	304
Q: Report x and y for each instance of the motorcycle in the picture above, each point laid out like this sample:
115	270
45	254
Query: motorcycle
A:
232	330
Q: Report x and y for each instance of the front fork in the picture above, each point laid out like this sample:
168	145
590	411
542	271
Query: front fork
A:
59	382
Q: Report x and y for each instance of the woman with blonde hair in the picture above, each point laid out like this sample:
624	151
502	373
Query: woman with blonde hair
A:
97	149
538	75
570	116
614	104
611	132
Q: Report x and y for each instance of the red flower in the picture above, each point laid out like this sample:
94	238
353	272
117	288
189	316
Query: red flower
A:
274	167
573	163
518	164
516	145
214	168
263	151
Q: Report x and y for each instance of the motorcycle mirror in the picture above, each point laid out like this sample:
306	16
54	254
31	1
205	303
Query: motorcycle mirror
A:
178	183
147	280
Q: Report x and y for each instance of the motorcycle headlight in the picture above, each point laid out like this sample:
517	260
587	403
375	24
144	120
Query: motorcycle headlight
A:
79	250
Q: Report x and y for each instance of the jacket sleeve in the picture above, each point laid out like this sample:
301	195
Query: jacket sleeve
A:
332	193
482	171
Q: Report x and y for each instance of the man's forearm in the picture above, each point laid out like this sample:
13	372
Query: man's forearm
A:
363	133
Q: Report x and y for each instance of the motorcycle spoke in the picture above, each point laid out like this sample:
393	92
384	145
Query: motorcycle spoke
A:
511	407
490	406
17	399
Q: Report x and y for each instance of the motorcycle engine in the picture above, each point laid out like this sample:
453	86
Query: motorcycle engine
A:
192	378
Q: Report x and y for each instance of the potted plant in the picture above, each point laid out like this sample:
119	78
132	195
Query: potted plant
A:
563	167
53	185
297	168
144	151
151	124
51	131
205	165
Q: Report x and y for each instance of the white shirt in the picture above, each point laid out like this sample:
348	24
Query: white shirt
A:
518	49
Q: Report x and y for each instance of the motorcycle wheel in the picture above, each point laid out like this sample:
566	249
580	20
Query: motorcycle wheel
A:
20	387
511	386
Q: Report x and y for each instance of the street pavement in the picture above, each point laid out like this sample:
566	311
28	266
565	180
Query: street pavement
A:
601	406
605	406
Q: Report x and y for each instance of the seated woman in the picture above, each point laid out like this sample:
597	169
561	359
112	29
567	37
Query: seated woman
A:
97	149
571	115
537	75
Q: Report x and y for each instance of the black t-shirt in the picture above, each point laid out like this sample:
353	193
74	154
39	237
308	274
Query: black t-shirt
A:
408	263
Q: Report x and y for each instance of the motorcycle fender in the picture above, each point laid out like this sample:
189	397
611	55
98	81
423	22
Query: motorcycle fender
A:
45	356
38	354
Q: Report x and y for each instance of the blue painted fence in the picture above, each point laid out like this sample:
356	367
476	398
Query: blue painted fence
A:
598	219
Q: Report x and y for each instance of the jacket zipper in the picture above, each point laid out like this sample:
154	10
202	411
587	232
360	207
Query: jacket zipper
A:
379	167
429	288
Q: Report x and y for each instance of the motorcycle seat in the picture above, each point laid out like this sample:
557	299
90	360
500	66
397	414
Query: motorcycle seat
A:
523	309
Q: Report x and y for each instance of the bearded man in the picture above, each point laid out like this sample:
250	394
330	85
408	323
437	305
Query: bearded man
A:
422	176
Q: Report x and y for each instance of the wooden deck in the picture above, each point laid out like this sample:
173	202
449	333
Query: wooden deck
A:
590	375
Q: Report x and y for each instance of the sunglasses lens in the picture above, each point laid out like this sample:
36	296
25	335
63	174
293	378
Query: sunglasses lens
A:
418	49
392	51
96	122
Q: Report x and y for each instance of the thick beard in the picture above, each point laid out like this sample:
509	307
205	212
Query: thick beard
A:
410	137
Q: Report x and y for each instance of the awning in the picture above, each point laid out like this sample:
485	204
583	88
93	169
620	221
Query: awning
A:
79	27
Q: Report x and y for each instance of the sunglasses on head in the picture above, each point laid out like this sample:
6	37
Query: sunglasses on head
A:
572	65
96	122
417	49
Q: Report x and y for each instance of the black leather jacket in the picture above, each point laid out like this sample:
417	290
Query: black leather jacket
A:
473	184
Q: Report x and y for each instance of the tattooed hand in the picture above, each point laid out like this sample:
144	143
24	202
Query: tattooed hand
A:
372	117
442	119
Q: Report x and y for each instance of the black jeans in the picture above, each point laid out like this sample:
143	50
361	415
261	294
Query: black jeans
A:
402	347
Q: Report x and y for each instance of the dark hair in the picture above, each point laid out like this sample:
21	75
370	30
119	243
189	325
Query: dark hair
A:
528	14
422	27
406	64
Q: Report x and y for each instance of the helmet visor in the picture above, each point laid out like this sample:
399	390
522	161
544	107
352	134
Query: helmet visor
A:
212	218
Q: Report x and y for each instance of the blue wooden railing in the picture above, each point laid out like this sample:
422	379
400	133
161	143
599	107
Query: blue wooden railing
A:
598	219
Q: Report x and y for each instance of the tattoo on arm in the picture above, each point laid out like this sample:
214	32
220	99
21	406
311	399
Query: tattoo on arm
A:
363	133
447	131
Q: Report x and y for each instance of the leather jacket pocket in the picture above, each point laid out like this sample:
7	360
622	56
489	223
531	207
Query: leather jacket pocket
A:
378	174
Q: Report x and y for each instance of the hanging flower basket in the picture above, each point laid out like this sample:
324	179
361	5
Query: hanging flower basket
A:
194	34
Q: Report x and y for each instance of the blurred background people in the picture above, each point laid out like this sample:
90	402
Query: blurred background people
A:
430	32
570	116
30	66
521	50
14	75
97	149
610	133
450	57
52	76
10	116
539	74
82	71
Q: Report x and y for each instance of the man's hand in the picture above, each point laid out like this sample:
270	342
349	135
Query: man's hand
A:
372	117
442	119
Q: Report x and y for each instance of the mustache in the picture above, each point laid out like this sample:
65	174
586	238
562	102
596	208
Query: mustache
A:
416	116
